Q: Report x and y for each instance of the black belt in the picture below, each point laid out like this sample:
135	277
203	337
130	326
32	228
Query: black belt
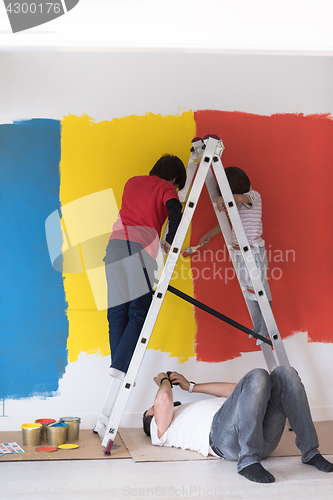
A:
216	450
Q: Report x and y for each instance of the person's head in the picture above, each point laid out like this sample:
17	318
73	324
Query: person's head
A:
171	168
146	420
238	180
148	416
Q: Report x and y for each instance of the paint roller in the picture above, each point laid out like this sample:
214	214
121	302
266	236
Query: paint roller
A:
186	253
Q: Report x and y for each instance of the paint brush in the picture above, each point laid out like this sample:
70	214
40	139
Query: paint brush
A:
186	253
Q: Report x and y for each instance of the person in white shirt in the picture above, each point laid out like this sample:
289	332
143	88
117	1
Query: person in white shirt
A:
243	422
249	207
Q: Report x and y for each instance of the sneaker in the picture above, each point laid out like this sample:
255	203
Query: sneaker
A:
113	372
197	149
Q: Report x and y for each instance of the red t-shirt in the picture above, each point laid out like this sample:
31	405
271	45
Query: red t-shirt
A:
143	211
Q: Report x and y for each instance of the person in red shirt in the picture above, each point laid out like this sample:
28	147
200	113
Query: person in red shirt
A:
130	259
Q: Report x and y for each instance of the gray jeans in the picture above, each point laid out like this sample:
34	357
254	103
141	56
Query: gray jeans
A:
249	425
261	261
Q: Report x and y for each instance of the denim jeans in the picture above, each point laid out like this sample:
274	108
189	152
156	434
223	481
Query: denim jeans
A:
261	261
259	325
127	267
260	258
249	425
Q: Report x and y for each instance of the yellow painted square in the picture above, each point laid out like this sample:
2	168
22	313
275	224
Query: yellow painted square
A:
102	156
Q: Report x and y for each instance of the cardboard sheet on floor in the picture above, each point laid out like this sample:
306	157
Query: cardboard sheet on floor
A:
141	450
287	447
90	448
132	443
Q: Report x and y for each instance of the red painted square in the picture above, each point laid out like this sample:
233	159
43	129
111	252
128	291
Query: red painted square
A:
289	160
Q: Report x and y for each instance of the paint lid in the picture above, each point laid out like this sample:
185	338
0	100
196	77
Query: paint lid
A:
68	446
45	420
70	419
31	426
47	448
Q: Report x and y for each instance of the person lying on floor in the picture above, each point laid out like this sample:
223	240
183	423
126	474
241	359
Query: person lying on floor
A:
246	426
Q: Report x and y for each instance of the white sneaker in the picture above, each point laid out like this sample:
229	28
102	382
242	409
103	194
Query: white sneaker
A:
113	372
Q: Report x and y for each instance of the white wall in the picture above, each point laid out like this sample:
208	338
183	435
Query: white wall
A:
108	84
293	26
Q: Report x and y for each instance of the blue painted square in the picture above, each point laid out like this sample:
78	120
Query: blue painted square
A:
33	320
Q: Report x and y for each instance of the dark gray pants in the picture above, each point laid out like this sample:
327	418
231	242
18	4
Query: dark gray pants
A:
249	425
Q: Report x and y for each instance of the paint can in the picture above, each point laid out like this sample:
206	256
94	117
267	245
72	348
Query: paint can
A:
44	422
56	433
73	427
32	434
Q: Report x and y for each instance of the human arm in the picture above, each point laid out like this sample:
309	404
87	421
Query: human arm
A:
163	404
239	199
242	198
205	239
219	389
174	208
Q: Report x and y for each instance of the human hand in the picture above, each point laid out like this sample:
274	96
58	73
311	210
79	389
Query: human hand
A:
204	240
220	204
159	377
179	379
166	247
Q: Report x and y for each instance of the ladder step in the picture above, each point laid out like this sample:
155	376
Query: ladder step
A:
100	428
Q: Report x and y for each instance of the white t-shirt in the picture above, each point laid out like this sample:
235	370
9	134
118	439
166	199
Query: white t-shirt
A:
250	215
190	426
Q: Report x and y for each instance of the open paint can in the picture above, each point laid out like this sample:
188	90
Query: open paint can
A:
56	433
73	427
44	422
32	434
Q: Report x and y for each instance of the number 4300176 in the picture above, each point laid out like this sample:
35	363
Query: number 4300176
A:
34	8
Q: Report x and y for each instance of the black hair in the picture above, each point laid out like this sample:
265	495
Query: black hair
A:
238	180
146	420
170	167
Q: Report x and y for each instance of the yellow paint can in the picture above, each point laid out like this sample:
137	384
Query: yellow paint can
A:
32	434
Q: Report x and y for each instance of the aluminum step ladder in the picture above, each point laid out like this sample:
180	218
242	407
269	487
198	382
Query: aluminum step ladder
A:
204	167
